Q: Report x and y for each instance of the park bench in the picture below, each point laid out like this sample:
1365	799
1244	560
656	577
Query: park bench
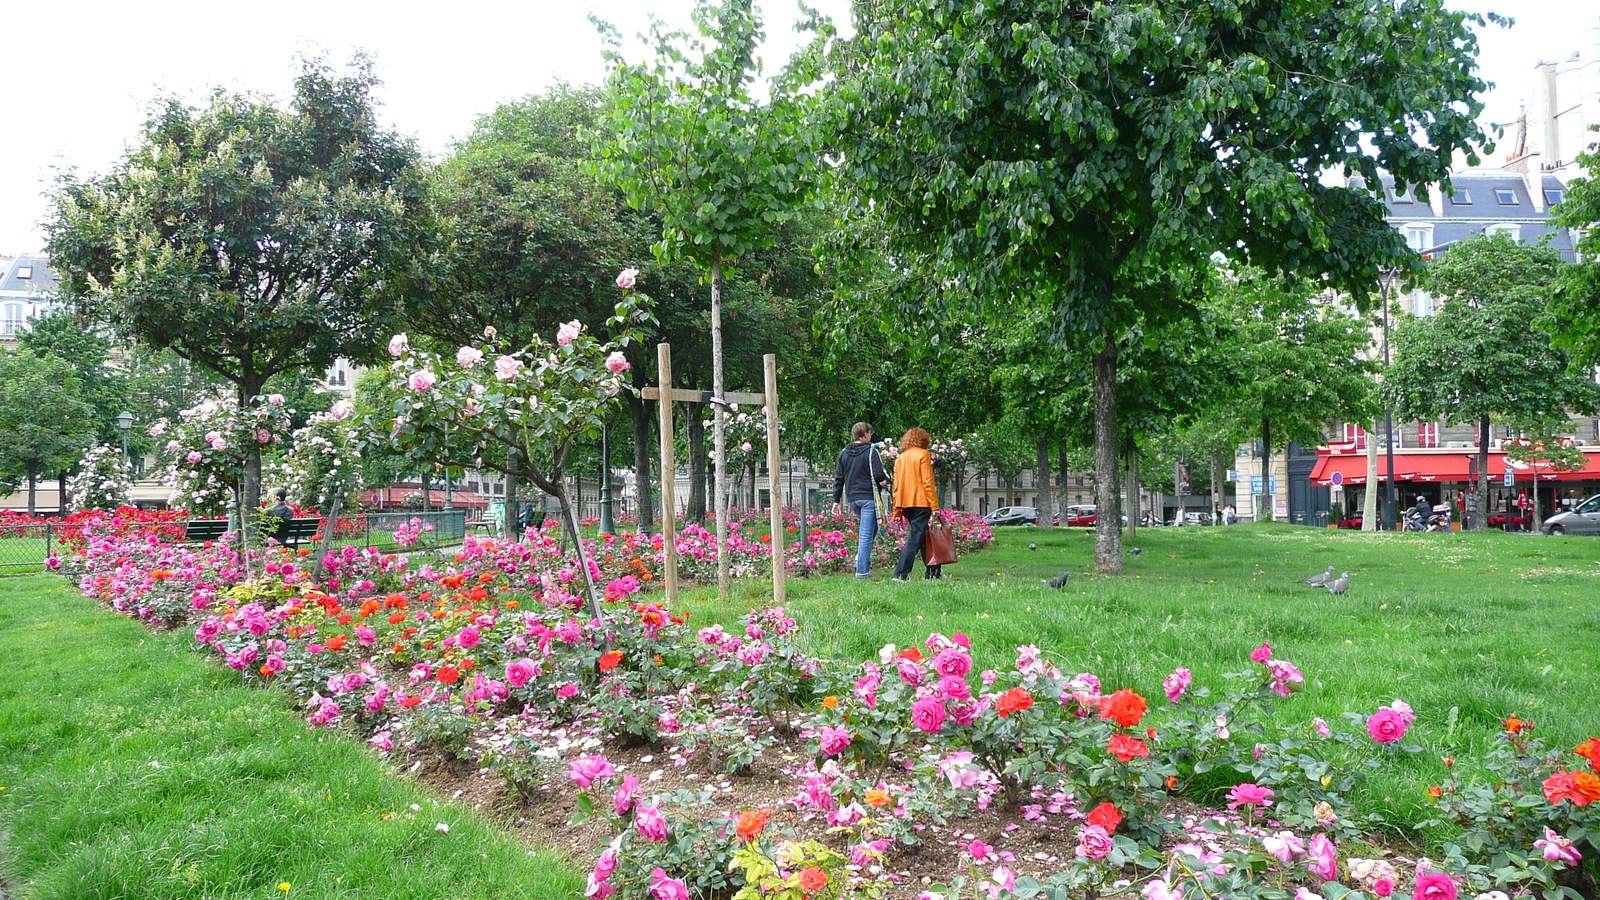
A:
295	530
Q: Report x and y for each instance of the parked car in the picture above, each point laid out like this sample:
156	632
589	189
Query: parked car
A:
1197	518
1079	516
1582	519
1013	515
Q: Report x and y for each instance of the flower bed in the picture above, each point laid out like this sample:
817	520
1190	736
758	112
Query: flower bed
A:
1033	781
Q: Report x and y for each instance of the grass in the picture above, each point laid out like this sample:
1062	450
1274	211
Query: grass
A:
1467	628
131	767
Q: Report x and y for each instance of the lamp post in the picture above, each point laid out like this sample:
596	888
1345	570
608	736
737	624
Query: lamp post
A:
608	523
125	422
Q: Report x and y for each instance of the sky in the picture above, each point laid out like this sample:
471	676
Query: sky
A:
76	92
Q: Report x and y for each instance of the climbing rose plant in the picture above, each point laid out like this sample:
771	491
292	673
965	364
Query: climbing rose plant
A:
208	444
102	480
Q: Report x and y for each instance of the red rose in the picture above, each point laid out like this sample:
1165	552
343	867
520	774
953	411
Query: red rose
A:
1123	707
1125	748
1014	700
1107	816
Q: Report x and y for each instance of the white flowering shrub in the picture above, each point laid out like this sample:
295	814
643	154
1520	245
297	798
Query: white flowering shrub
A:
102	481
746	436
323	461
207	446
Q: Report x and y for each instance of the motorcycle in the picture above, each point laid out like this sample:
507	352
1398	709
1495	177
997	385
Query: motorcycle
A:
1438	520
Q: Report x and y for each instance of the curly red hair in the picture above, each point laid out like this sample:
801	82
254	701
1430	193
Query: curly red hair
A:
916	437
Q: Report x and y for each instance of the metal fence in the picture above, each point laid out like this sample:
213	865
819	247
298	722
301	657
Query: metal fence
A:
24	547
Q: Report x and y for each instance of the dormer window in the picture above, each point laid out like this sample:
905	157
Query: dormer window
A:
24	272
1505	196
1400	196
1461	198
1553	196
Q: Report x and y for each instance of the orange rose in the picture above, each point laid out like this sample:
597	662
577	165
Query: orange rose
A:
830	701
1124	707
449	675
812	878
1014	700
1436	792
912	654
878	798
1515	725
610	660
751	823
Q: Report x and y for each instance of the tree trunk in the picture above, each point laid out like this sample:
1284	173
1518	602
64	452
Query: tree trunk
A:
570	523
33	475
1369	503
1131	452
1041	477
61	494
427	489
327	530
695	514
1266	471
509	525
719	432
1107	500
644	495
250	490
1480	521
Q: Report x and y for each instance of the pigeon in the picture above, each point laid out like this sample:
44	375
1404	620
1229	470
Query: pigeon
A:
1032	546
1060	580
1135	551
1320	579
1339	585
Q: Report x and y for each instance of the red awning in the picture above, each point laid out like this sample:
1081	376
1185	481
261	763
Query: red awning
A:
1431	466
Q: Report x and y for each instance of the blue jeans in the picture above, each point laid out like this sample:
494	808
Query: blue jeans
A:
867	512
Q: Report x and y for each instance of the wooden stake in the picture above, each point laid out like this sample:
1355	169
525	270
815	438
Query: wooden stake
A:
669	476
769	363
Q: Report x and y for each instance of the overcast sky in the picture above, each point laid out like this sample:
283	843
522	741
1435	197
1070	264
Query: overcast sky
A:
77	81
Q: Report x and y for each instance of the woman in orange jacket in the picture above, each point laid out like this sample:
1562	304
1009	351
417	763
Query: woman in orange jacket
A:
916	499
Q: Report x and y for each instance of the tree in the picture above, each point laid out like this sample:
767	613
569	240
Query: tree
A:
1304	363
687	140
250	239
103	387
1486	355
1576	301
1070	155
44	422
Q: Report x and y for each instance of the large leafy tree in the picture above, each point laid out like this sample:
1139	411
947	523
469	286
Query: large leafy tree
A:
250	238
1486	354
45	423
104	388
689	140
1069	154
1576	301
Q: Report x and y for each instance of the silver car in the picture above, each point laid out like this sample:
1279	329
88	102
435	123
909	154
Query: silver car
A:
1582	519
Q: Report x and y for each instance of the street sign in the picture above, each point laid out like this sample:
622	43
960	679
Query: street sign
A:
1511	476
1337	478
1233	475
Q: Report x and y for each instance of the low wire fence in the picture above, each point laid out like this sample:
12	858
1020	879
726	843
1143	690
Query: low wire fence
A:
24	547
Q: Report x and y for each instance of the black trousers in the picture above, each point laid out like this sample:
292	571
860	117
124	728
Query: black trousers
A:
916	540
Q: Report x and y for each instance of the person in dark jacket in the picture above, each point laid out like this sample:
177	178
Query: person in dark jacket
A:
283	512
856	480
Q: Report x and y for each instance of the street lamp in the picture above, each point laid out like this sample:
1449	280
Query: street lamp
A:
607	521
125	422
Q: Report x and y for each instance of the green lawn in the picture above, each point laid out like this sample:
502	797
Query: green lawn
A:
131	767
1488	625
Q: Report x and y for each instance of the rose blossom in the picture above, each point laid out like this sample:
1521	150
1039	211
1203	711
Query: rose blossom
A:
1178	682
954	687
1321	727
1386	726
467	357
952	662
1249	795
568	333
421	380
833	740
625	794
1262	653
1558	849
627	278
1284	845
664	888
651	824
1094	842
398	345
507	367
520	672
1435	886
1322	860
928	714
586	769
616	363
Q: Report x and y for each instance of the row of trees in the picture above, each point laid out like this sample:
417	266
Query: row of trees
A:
1082	231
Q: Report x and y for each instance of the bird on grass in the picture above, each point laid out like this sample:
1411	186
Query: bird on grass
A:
1320	579
1135	551
1032	546
1339	585
1059	580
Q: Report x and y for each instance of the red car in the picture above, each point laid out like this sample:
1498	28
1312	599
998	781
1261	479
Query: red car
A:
1079	517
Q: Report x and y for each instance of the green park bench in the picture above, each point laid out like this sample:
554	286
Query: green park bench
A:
294	531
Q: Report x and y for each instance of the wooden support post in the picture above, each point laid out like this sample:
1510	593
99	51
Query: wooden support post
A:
769	364
669	475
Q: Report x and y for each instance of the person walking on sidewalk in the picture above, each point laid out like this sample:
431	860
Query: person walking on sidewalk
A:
857	479
916	499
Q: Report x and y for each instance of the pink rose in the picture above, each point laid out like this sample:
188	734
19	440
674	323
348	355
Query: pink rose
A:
1386	726
1262	653
1285	846
469	638
605	864
586	769
651	824
567	690
1321	726
520	672
909	672
1321	858
616	363
568	333
833	739
381	741
467	357
1434	886
398	345
627	278
1249	795
952	662
1176	683
928	714
955	687
664	888
421	380
507	367
1558	849
1094	842
625	795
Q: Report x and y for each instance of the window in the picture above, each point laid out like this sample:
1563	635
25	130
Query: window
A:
1553	196
24	272
1419	238
1509	229
12	322
1506	196
1461	198
1356	434
1422	304
1399	196
1427	434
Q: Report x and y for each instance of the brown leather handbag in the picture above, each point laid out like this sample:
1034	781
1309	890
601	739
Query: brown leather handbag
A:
940	542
